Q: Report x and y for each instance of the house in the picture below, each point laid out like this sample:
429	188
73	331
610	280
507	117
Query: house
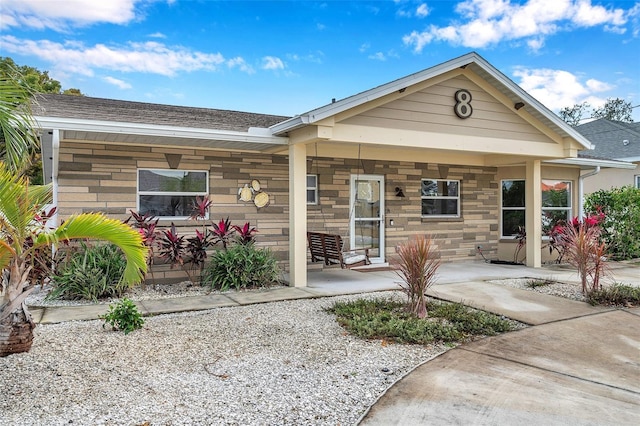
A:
475	156
614	140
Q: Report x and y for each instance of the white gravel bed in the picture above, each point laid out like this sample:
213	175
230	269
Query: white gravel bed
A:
268	364
571	291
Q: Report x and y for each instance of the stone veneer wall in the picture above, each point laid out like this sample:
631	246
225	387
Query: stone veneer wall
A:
100	177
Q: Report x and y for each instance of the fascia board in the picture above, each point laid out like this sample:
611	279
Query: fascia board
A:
254	135
589	162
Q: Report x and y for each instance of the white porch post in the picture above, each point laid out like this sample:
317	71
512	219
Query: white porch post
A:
533	222
298	214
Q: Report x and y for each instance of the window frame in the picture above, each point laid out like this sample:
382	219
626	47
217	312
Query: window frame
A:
316	200
523	208
637	181
458	199
194	194
569	208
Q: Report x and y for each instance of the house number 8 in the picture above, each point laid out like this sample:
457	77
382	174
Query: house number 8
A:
463	107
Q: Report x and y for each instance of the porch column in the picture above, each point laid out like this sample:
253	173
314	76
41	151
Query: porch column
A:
298	214
533	221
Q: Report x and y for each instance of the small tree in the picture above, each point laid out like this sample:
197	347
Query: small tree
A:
573	116
419	261
614	109
585	250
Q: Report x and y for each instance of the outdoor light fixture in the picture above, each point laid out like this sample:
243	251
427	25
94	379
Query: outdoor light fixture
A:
518	105
399	192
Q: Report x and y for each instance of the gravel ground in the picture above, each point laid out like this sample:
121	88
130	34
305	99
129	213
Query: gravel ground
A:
554	288
276	363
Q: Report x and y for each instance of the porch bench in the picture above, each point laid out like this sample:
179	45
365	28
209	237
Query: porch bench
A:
327	248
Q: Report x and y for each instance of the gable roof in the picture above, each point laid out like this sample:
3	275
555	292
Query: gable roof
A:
111	110
471	60
608	138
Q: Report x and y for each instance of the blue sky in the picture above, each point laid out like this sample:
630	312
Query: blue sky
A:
288	57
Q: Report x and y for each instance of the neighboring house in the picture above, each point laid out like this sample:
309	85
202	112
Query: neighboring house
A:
475	156
613	140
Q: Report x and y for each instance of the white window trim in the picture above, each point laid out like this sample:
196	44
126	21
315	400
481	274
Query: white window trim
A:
503	208
194	194
569	208
314	189
441	197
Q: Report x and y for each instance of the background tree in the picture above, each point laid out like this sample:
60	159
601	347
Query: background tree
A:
32	78
614	109
572	116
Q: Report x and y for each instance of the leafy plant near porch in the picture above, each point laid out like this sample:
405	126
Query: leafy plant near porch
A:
419	261
241	266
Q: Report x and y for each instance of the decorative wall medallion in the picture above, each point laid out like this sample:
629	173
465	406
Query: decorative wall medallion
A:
463	107
261	200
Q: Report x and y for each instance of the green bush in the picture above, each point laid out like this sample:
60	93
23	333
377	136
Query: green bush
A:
91	273
617	294
123	316
621	226
387	319
241	266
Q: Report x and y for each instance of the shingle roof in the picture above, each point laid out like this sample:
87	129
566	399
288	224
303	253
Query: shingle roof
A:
609	138
88	108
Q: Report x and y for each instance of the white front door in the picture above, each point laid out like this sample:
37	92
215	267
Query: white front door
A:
367	215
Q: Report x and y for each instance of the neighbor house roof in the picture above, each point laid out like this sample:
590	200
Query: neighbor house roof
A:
473	61
612	140
88	108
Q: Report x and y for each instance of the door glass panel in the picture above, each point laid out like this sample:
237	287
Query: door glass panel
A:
368	236
367	222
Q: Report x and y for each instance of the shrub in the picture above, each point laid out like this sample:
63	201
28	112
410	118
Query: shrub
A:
617	294
91	273
388	319
241	266
418	264
621	227
123	316
585	250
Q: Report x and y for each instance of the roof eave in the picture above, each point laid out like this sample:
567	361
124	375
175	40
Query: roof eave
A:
254	135
592	162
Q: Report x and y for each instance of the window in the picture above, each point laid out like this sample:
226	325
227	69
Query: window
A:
440	198
312	189
170	193
556	202
513	207
637	181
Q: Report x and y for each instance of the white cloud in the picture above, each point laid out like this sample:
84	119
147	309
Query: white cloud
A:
557	89
148	57
489	22
422	11
157	35
56	15
378	56
241	64
272	63
118	83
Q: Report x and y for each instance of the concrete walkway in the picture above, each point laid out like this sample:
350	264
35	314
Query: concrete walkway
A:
577	365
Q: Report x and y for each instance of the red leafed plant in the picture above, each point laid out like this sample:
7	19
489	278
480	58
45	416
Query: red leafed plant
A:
222	232
585	249
419	261
200	208
246	234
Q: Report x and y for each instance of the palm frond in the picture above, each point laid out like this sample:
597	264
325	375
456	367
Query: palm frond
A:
99	227
19	129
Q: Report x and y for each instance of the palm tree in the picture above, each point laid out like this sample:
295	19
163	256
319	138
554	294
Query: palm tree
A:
22	227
